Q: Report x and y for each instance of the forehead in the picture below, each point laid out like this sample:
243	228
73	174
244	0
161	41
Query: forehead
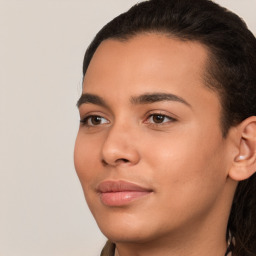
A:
150	64
147	56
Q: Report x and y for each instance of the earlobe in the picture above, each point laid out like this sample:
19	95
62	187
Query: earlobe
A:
244	163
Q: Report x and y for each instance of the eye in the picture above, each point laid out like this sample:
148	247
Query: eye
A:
94	120
159	119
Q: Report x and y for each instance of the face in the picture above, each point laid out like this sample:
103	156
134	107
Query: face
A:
149	152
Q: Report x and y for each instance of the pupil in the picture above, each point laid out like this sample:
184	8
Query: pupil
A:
96	120
158	118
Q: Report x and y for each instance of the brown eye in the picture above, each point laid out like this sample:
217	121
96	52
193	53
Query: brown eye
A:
94	121
158	118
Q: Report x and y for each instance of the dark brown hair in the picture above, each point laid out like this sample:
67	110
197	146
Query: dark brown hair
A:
231	72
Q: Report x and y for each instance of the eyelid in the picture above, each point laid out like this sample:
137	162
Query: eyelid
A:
84	119
160	113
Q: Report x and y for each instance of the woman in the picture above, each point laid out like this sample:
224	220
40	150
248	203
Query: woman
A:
166	150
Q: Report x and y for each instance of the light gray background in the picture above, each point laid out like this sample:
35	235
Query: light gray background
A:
42	43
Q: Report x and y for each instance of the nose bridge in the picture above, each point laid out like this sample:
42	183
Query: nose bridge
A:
119	146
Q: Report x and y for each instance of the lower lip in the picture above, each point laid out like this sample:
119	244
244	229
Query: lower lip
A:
122	197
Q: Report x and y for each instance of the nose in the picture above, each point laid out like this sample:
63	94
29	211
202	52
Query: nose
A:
119	147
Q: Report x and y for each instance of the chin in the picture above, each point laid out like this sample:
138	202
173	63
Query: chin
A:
128	236
125	228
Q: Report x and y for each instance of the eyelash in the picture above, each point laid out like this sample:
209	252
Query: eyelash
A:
163	116
85	121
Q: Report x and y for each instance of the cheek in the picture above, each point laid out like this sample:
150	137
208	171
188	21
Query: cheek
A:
186	164
86	156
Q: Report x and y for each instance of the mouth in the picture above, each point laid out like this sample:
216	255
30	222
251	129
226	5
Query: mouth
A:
120	193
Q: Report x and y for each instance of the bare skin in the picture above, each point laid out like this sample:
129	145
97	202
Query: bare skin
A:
150	120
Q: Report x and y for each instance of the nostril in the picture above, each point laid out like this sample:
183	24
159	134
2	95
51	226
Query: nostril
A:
122	160
104	162
116	162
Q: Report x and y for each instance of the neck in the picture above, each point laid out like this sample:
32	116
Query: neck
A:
209	247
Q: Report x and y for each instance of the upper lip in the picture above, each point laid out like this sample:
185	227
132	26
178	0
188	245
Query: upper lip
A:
118	186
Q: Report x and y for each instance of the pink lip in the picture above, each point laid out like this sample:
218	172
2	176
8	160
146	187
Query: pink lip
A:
118	193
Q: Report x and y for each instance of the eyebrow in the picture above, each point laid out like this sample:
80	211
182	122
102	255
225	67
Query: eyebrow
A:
156	97
90	98
87	98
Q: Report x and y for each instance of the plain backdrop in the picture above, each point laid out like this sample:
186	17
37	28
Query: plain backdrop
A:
42	43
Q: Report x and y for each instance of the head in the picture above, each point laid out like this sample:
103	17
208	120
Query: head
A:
204	59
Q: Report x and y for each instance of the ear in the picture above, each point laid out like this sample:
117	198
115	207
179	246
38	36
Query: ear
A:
244	163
